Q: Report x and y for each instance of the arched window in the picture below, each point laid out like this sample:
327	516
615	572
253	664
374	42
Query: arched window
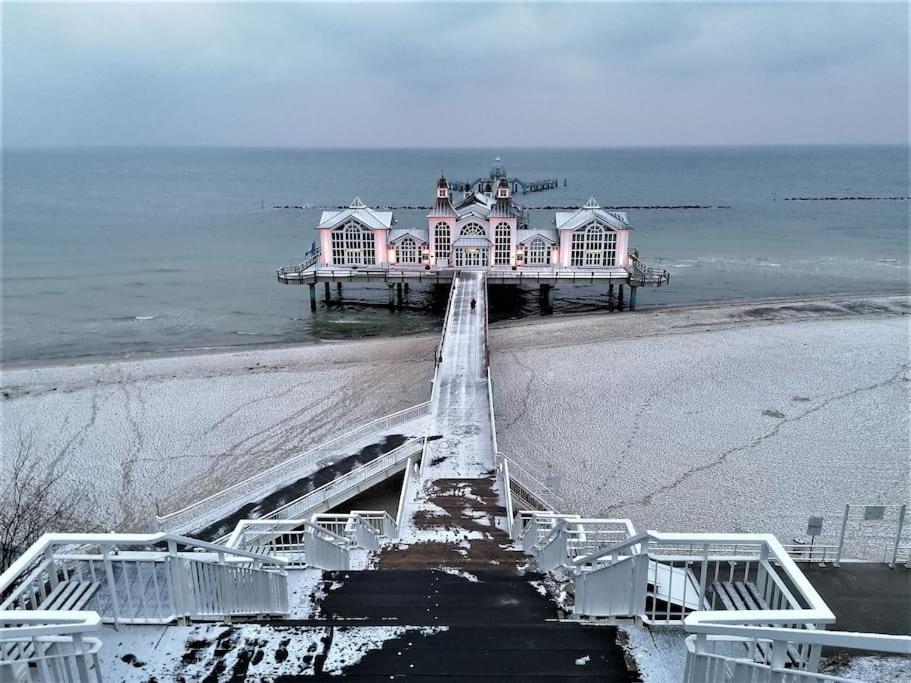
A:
353	245
407	251
537	252
473	229
502	244
593	246
441	240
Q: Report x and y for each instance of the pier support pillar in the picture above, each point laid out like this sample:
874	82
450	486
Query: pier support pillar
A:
547	298
610	296
312	296
632	297
405	286
391	297
326	292
620	297
398	293
338	288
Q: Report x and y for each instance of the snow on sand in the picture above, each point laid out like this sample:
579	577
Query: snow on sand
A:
176	429
727	418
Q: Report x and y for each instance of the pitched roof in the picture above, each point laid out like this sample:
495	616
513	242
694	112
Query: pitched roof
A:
417	233
549	234
571	220
378	220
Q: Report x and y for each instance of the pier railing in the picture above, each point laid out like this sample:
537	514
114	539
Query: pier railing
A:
299	268
643	274
222	503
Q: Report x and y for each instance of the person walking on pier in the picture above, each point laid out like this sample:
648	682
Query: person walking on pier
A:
473	304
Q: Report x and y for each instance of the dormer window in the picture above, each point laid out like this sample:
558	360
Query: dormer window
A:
502	193
442	193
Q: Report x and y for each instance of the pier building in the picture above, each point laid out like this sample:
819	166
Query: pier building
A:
483	229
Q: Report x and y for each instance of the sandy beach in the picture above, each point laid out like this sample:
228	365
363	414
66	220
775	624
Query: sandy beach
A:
166	430
747	417
724	417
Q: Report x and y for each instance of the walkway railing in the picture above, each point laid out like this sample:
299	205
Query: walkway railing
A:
299	268
256	487
324	541
528	489
641	273
143	579
358	479
717	653
298	542
49	646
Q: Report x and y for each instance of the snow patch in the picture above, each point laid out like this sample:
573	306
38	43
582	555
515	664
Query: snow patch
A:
460	572
350	645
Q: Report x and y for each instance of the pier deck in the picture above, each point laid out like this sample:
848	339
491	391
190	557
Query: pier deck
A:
455	514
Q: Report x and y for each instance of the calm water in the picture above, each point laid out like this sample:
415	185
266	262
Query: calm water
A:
130	251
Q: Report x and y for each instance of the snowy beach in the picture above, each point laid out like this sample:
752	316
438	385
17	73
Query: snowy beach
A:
722	417
168	430
747	417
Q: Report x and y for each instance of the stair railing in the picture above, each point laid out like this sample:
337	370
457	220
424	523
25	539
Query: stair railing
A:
297	542
51	644
203	511
324	496
144	578
719	652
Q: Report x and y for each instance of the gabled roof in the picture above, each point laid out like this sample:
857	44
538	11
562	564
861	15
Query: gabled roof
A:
378	220
549	234
475	211
571	220
398	233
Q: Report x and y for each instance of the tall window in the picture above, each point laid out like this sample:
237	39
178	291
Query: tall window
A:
353	245
441	240
407	251
502	244
537	253
473	229
593	246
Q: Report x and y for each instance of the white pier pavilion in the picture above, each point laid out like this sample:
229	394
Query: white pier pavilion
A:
485	230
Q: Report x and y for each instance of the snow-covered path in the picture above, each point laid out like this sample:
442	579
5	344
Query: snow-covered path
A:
460	409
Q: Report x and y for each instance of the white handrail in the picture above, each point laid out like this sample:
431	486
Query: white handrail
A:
712	623
38	622
388	459
273	477
48	541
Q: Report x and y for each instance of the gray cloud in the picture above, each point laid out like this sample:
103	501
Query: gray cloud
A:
454	75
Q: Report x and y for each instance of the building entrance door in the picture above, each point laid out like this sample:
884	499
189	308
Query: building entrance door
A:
468	257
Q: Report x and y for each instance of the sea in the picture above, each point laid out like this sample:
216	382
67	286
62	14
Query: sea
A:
129	252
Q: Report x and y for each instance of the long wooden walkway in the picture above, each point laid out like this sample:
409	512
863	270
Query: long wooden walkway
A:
455	514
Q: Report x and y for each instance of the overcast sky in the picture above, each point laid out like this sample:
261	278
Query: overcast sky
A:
408	75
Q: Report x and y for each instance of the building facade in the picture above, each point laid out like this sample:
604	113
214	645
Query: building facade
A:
485	229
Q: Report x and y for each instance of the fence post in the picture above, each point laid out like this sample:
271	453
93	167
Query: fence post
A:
79	656
109	573
51	567
703	574
177	581
841	537
898	535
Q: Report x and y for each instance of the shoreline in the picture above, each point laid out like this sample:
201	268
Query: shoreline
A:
139	356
